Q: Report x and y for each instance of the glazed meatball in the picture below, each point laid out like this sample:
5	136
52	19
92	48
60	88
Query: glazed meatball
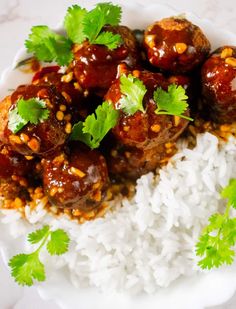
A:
76	179
12	163
126	162
175	45
219	85
5	105
78	107
10	189
43	137
64	84
140	137
95	66
15	170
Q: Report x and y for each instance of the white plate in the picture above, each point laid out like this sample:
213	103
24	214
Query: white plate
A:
197	292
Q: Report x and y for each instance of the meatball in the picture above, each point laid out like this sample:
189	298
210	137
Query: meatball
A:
95	66
5	105
77	106
75	179
43	137
219	85
12	163
140	137
175	45
10	189
15	170
130	162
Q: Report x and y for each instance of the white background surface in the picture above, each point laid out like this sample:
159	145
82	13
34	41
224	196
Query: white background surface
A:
16	18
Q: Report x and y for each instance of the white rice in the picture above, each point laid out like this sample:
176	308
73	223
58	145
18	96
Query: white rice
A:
149	241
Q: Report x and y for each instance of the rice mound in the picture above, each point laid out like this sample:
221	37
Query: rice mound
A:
144	243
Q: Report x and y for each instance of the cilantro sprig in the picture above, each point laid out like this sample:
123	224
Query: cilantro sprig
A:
31	111
171	102
103	14
96	126
133	91
49	46
73	23
108	39
25	268
215	246
80	24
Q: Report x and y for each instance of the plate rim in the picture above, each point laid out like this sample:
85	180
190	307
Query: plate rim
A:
189	15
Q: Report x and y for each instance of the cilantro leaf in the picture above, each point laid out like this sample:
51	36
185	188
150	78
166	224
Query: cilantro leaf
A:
229	231
96	126
93	23
73	23
216	248
80	25
109	39
133	91
27	267
15	121
171	102
230	192
59	242
77	134
37	236
111	13
217	254
35	42
61	48
49	46
103	14
100	123
217	239
32	110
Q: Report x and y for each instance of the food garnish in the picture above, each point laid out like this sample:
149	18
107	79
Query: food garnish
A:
171	102
73	23
133	91
108	39
103	14
215	245
27	111
80	24
49	46
25	268
96	126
